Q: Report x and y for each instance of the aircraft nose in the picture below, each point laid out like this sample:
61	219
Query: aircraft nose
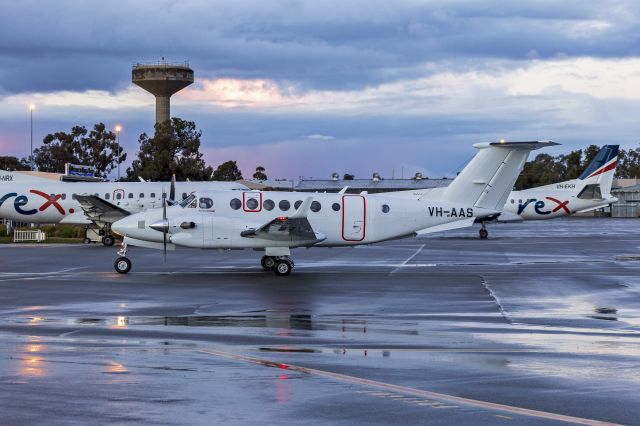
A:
125	226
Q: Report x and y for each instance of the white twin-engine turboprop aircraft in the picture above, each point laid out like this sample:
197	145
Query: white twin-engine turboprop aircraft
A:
30	199
279	221
590	191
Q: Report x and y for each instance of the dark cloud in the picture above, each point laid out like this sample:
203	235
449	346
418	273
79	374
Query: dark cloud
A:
76	45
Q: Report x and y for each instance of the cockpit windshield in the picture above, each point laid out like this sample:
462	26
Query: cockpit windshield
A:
185	202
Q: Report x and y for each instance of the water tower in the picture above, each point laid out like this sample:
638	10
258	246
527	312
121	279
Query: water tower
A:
162	79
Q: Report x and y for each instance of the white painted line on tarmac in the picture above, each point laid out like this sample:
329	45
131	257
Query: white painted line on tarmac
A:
410	391
409	259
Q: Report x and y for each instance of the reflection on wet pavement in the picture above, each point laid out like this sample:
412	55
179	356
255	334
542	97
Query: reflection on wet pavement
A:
527	327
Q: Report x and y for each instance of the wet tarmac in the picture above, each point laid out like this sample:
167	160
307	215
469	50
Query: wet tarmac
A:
540	324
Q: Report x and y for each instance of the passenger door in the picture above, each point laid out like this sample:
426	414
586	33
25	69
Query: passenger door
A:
354	220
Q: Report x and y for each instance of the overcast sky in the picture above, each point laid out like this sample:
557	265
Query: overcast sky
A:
312	87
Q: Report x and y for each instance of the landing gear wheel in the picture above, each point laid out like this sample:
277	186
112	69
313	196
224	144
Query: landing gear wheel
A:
484	234
86	241
108	240
122	265
283	267
268	262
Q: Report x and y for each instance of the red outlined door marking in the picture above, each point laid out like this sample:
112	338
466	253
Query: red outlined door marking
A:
354	217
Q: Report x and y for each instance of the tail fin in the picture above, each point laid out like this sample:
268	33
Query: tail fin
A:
602	168
489	178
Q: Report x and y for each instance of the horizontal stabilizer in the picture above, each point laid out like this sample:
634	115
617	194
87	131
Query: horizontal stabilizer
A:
489	177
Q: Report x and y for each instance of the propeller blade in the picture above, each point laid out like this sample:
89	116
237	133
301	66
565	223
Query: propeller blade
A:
166	225
172	189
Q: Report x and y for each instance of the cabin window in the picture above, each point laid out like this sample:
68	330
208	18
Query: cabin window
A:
73	196
268	205
335	207
118	196
107	196
131	195
193	204
252	204
184	195
206	203
297	204
152	195
315	206
235	204
284	205
141	195
519	201
64	196
512	200
385	208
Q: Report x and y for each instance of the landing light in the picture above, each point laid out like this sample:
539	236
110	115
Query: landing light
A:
502	140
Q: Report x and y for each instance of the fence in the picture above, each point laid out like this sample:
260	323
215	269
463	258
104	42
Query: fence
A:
22	235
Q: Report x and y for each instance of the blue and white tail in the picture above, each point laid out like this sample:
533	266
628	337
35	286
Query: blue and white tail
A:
596	180
601	170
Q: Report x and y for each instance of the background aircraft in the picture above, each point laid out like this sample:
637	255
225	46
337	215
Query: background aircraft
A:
25	198
590	191
260	220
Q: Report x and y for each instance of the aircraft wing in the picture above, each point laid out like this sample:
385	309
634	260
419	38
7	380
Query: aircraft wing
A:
295	228
99	211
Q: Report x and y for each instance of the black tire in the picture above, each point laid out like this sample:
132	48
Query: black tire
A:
283	267
268	262
108	240
484	234
122	265
87	241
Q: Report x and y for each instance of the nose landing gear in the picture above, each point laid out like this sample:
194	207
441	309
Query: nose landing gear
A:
122	264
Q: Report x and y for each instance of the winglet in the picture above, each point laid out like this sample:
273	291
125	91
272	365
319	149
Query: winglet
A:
303	210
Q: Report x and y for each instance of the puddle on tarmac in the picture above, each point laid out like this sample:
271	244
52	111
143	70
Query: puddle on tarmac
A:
276	320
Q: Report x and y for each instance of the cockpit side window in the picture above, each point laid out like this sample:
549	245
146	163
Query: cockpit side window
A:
206	203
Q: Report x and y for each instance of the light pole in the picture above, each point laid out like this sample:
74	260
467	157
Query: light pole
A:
31	108
118	130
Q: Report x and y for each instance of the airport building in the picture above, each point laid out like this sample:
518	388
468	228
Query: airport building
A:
627	191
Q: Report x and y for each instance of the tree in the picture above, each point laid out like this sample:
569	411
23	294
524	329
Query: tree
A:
11	164
97	148
227	171
260	173
543	170
628	164
348	176
173	149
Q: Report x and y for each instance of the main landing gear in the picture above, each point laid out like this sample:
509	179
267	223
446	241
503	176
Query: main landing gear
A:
281	265
108	240
122	264
484	234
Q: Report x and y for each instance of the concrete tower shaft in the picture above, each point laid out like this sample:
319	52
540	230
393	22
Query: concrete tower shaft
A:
162	80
